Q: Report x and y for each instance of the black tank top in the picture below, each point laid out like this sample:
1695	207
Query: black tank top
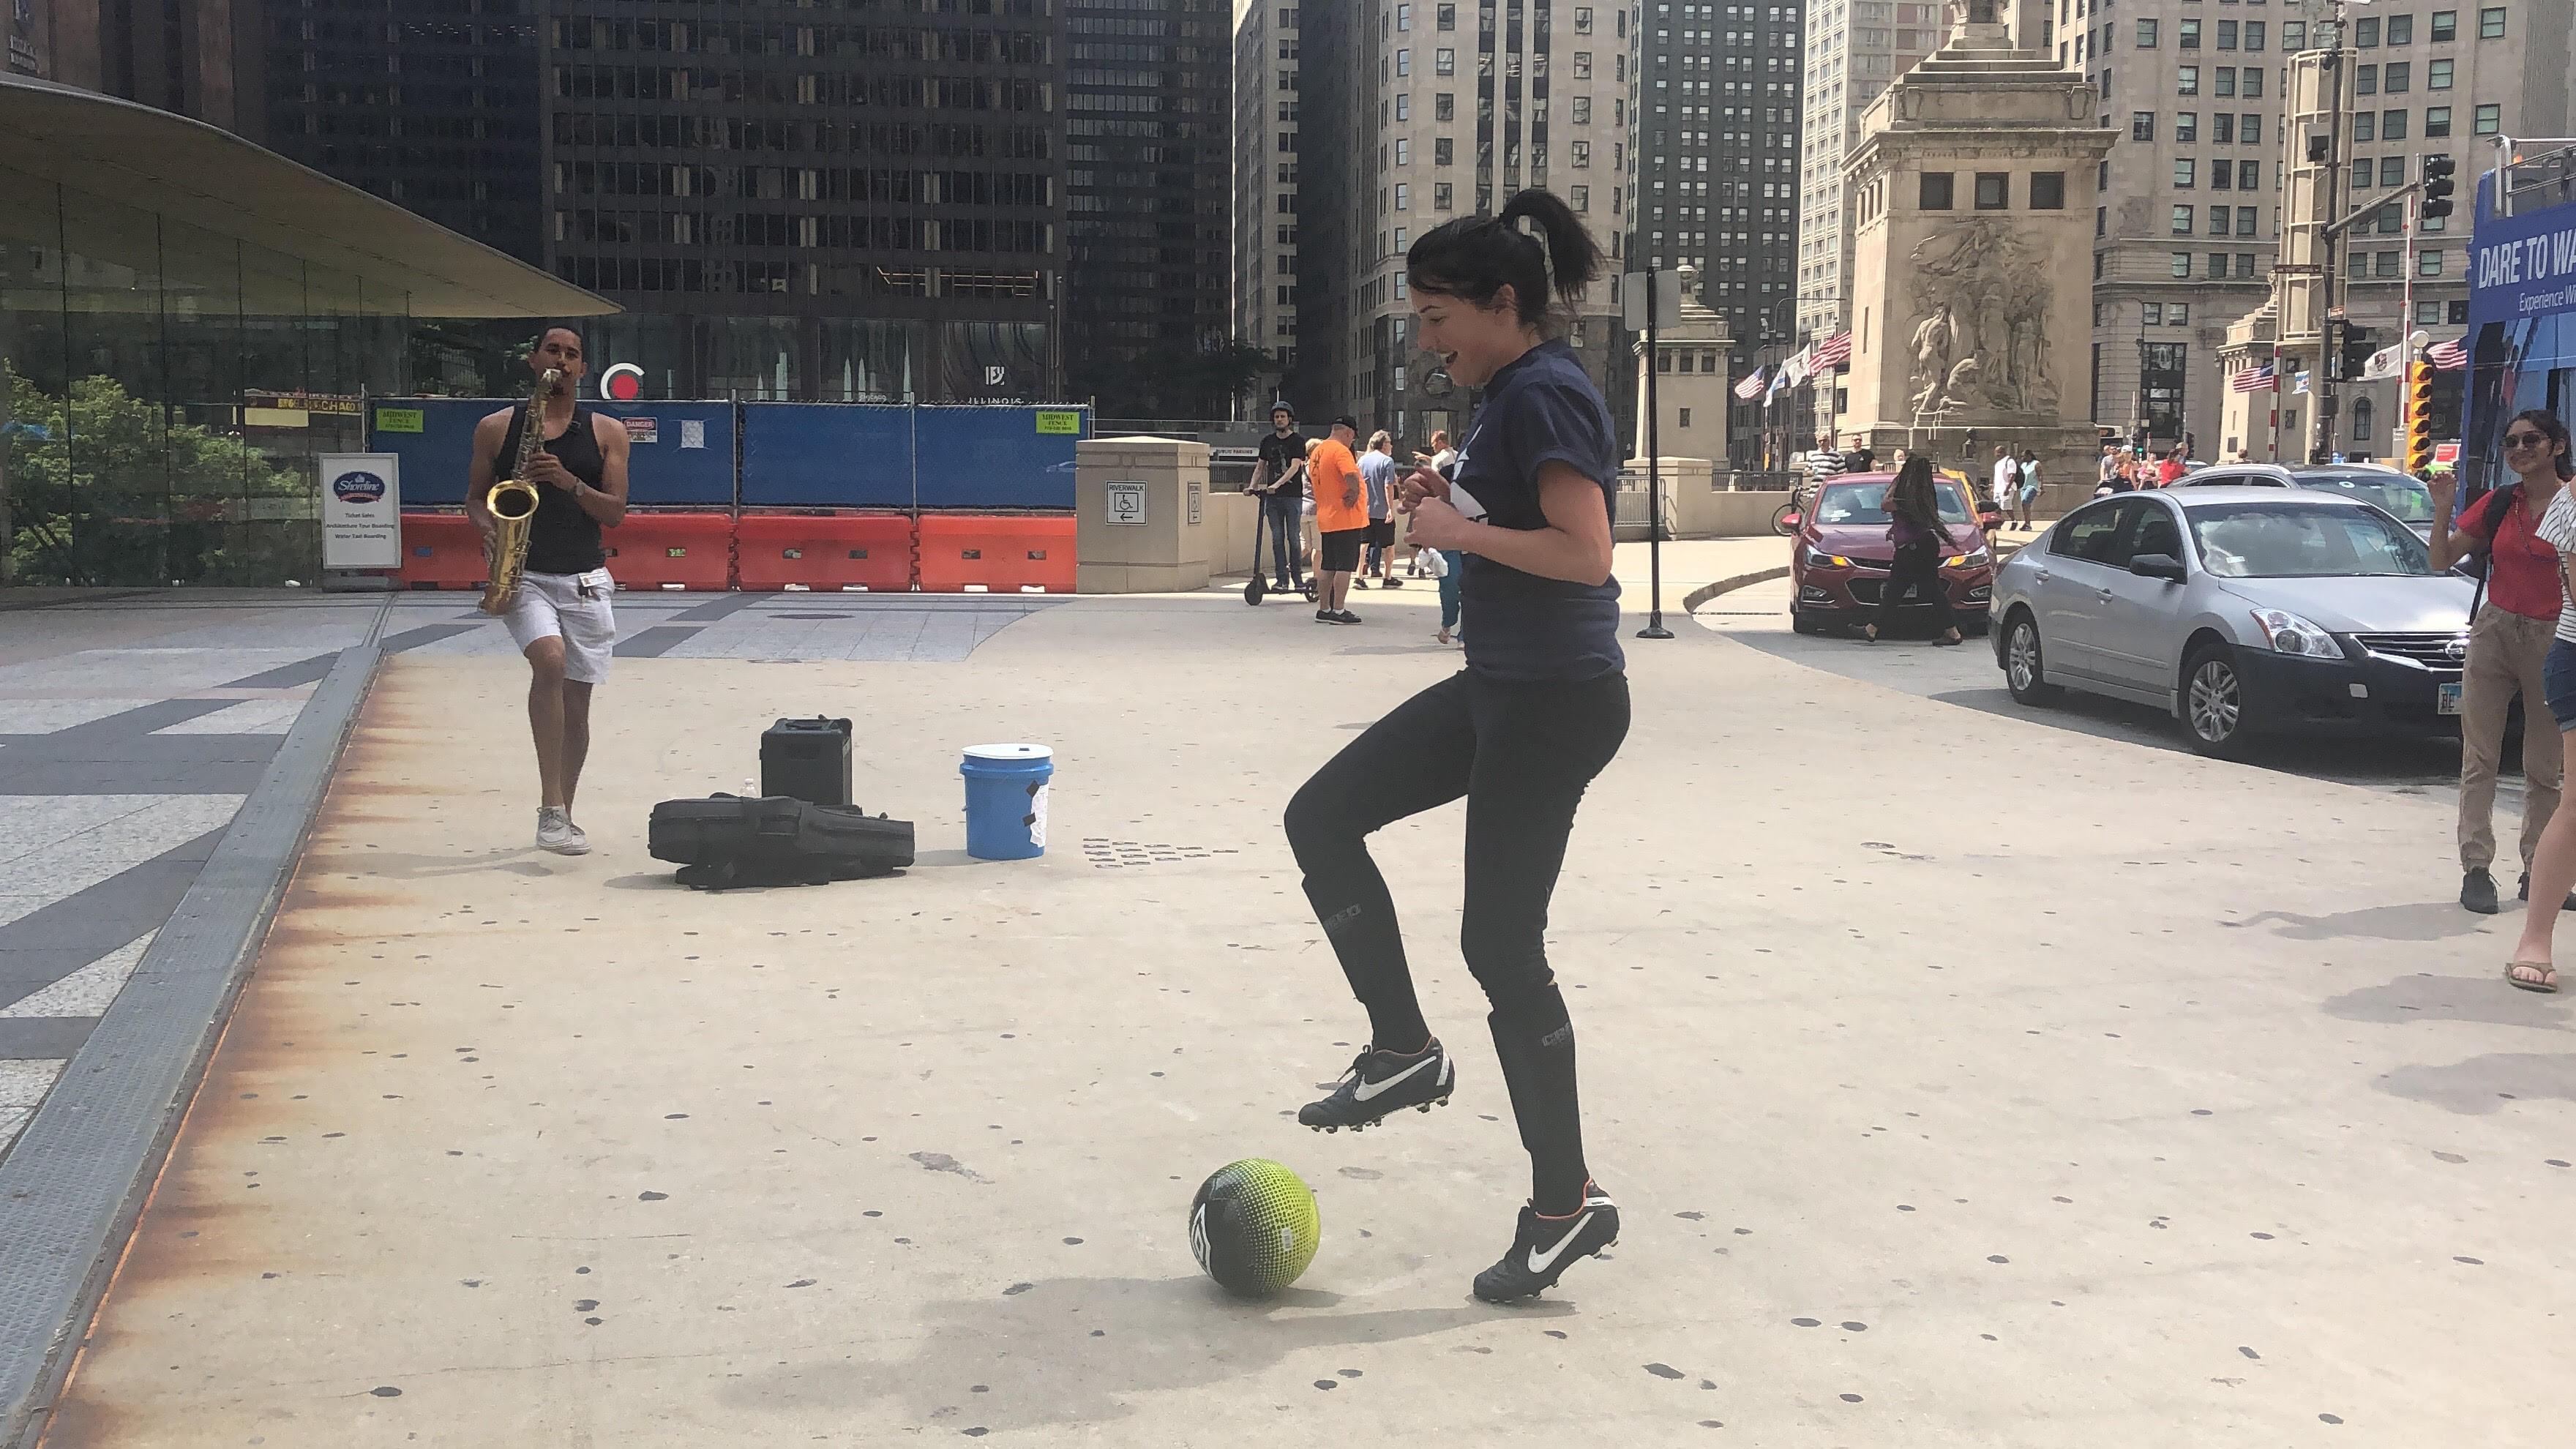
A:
563	539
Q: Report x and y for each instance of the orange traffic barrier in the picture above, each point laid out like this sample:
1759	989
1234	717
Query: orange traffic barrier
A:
826	552
441	551
997	553
672	551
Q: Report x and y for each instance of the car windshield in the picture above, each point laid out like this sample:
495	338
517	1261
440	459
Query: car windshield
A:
1867	503
2400	495
2287	540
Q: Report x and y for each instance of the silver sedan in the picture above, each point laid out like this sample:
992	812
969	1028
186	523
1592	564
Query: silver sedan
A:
2241	611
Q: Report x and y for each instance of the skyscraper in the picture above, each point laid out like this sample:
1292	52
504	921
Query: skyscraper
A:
1147	126
1443	110
1855	48
1265	186
1719	100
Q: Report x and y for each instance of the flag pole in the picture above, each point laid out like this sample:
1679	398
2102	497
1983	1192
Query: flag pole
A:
1654	470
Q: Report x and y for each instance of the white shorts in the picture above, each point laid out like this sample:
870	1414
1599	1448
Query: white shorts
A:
549	606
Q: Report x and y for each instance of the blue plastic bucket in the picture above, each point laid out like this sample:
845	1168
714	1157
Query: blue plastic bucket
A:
1006	800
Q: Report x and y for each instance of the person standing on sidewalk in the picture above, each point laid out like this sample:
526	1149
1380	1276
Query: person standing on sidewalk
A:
1341	520
1519	734
1377	474
2536	449
2509	647
1280	478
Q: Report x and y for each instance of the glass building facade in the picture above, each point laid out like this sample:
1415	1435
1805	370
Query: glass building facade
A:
165	390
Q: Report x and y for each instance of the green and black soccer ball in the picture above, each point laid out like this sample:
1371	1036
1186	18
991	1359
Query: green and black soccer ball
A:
1253	1227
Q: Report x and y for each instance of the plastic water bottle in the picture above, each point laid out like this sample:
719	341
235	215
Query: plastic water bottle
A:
750	788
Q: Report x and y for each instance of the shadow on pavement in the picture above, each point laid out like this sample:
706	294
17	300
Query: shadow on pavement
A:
2433	921
2426	997
2481	1085
1084	1351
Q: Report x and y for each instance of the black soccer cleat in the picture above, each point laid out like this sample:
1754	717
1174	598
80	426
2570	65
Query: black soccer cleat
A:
1545	1247
1382	1082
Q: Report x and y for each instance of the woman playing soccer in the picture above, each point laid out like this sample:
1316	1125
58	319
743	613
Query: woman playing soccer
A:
1540	708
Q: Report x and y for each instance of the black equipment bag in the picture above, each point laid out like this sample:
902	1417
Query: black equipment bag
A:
730	840
808	759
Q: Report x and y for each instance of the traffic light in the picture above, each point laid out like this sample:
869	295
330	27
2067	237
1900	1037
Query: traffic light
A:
2419	418
2438	187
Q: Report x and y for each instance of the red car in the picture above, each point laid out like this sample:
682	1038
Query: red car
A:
1840	555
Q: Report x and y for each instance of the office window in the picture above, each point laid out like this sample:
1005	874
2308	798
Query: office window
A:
2142	125
2365	125
2222	174
2253	81
2490	22
1403	151
1583	155
2187	80
2249	175
2253	35
2146	35
2249	129
2365	80
1443	150
2101	221
1444	17
2177	313
2384	264
2392	170
2186	173
1404	17
1444	61
1440	194
2446	25
1994	190
2392	125
2223	82
2365	33
1583	65
2181	263
1401	195
2218	219
2048	191
1404	105
2218	265
2184	219
1404	62
2486	120
1579	197
2401	30
2150	313
2187	126
2226	34
2189	37
2428	264
1444	106
1583	110
2437	121
2245	223
2437	75
2294	35
1583	20
2399	78
2222	127
1934	194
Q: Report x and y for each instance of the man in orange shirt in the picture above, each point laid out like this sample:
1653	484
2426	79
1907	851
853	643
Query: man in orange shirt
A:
1341	517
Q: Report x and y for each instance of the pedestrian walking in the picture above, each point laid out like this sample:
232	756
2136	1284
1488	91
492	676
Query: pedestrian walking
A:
1914	525
1341	520
2007	477
1539	711
2026	483
1825	461
2169	471
1377	474
2535	449
2509	651
1279	476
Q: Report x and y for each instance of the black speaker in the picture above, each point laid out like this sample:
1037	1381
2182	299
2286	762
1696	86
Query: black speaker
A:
808	760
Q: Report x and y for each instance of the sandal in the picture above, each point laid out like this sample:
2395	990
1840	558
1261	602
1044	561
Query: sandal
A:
2545	979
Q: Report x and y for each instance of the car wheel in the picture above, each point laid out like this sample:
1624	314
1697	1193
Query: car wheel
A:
2024	670
2214	711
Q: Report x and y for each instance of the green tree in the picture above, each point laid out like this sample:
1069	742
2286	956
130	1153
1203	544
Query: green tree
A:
104	490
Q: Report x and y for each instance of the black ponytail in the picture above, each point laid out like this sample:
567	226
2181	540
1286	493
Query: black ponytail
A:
1475	257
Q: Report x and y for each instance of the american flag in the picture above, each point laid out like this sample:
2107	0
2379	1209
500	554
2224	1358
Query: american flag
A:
2265	378
2449	356
1834	351
1751	387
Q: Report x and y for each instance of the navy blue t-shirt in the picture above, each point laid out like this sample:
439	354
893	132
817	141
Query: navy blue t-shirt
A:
1540	409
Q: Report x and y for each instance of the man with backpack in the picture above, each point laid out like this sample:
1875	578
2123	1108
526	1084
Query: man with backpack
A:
2508	640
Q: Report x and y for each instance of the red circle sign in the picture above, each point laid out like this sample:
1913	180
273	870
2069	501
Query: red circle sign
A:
622	383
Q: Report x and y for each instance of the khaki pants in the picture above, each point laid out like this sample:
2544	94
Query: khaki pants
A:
2505	654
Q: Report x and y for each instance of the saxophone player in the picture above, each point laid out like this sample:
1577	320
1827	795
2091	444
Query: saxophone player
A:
560	614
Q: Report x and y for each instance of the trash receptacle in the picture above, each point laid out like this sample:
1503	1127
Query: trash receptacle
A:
1006	800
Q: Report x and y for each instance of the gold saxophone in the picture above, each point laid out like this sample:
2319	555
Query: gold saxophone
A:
513	502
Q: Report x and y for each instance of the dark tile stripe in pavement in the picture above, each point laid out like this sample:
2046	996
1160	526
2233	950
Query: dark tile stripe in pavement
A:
306	671
22	605
43	1038
717	608
653	643
54	940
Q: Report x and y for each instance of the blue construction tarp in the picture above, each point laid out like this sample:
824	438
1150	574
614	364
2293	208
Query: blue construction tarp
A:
826	455
682	455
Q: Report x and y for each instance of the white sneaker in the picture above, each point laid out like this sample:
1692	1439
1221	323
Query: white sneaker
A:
556	832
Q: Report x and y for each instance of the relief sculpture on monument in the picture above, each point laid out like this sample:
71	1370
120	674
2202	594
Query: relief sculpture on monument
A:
1979	339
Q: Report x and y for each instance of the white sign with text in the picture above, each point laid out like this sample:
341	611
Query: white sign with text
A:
361	511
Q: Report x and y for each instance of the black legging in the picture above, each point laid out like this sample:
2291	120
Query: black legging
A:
1918	562
1522	755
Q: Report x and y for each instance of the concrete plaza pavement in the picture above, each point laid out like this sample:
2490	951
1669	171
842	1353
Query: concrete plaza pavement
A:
2130	1098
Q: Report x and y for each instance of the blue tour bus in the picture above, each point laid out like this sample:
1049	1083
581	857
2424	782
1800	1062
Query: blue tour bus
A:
2522	301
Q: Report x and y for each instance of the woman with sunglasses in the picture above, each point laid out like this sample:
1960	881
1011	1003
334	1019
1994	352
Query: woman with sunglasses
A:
2509	641
2535	448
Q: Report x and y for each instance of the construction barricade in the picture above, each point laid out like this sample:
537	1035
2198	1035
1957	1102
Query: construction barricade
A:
996	553
826	552
441	551
672	551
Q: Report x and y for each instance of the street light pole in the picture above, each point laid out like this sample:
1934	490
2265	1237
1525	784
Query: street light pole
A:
1654	470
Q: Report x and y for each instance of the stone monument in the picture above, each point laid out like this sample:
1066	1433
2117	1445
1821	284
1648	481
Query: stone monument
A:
1974	186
